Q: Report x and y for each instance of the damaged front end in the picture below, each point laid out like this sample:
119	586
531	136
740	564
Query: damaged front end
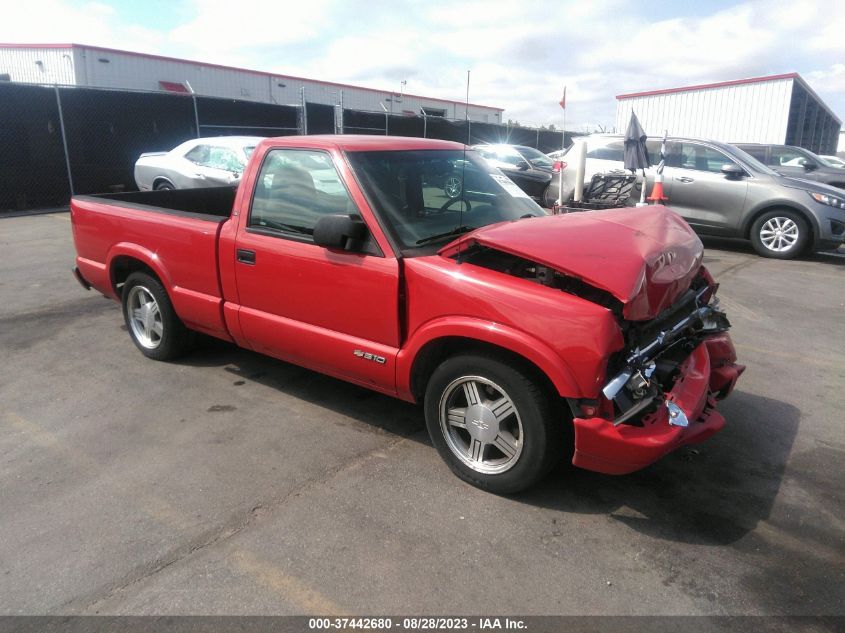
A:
676	358
658	350
663	388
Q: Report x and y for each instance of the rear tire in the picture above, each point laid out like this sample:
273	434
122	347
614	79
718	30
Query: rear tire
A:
153	325
493	423
164	186
780	234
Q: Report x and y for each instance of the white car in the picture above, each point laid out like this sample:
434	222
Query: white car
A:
201	162
605	155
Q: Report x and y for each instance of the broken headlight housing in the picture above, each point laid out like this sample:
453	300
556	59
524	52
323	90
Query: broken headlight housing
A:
651	363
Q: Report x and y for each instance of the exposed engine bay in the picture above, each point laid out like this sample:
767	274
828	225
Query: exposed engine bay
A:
649	365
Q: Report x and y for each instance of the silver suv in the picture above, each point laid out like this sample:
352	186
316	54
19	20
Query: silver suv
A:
721	190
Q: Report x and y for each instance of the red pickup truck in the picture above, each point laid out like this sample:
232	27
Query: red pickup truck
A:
526	336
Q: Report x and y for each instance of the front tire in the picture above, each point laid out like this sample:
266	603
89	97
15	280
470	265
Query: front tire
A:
153	325
492	423
780	234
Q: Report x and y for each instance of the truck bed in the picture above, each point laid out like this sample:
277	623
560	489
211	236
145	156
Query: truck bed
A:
175	230
210	203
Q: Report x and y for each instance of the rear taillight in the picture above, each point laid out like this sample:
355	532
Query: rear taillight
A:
558	166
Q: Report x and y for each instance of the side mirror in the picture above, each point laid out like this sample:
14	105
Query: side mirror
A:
732	170
522	165
810	165
341	232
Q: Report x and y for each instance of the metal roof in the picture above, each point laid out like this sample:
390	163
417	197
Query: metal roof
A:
235	68
719	84
734	82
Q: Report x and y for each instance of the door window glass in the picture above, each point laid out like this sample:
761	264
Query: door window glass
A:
653	149
501	155
224	158
199	155
295	188
613	150
700	158
787	157
757	151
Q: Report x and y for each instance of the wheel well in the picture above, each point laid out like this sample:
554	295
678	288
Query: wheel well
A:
161	179
122	267
779	207
435	352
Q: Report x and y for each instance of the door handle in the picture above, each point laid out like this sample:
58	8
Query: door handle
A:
685	179
246	257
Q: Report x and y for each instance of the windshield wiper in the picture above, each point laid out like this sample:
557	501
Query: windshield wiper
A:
456	231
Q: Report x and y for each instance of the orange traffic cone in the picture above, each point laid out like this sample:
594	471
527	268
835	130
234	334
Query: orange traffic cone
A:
657	196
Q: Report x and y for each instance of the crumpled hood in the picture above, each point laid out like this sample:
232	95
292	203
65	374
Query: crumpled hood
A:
644	256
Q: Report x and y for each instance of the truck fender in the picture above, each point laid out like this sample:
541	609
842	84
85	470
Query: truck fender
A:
146	256
507	338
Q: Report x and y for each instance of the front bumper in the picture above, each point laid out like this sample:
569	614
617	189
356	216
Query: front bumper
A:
829	231
709	374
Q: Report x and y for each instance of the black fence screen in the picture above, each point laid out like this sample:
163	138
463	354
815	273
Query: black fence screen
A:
56	141
228	117
33	172
108	129
321	118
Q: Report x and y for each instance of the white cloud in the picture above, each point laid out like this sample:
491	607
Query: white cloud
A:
59	21
230	32
521	53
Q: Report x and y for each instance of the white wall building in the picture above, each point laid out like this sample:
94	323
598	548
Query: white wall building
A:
93	66
780	109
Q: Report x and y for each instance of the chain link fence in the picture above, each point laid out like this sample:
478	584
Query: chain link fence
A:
58	141
459	130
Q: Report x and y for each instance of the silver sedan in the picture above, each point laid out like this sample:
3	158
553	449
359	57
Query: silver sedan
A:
201	162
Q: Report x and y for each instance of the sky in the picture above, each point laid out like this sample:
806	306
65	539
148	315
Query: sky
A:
520	53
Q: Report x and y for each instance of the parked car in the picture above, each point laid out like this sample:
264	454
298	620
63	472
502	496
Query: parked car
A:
833	161
484	308
200	162
796	162
529	168
721	190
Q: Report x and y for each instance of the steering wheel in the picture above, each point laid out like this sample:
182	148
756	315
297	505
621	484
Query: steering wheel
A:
452	201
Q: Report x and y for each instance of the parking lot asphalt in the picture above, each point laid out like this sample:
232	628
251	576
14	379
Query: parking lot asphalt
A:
231	483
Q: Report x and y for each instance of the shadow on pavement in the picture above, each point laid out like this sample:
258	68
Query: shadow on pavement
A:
712	493
363	405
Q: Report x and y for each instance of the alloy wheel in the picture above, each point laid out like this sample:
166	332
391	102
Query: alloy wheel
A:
145	317
481	424
779	234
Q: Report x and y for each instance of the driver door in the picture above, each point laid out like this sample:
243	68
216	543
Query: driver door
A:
316	307
701	193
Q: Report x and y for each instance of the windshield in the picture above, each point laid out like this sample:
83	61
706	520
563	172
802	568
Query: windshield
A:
431	196
536	157
248	150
